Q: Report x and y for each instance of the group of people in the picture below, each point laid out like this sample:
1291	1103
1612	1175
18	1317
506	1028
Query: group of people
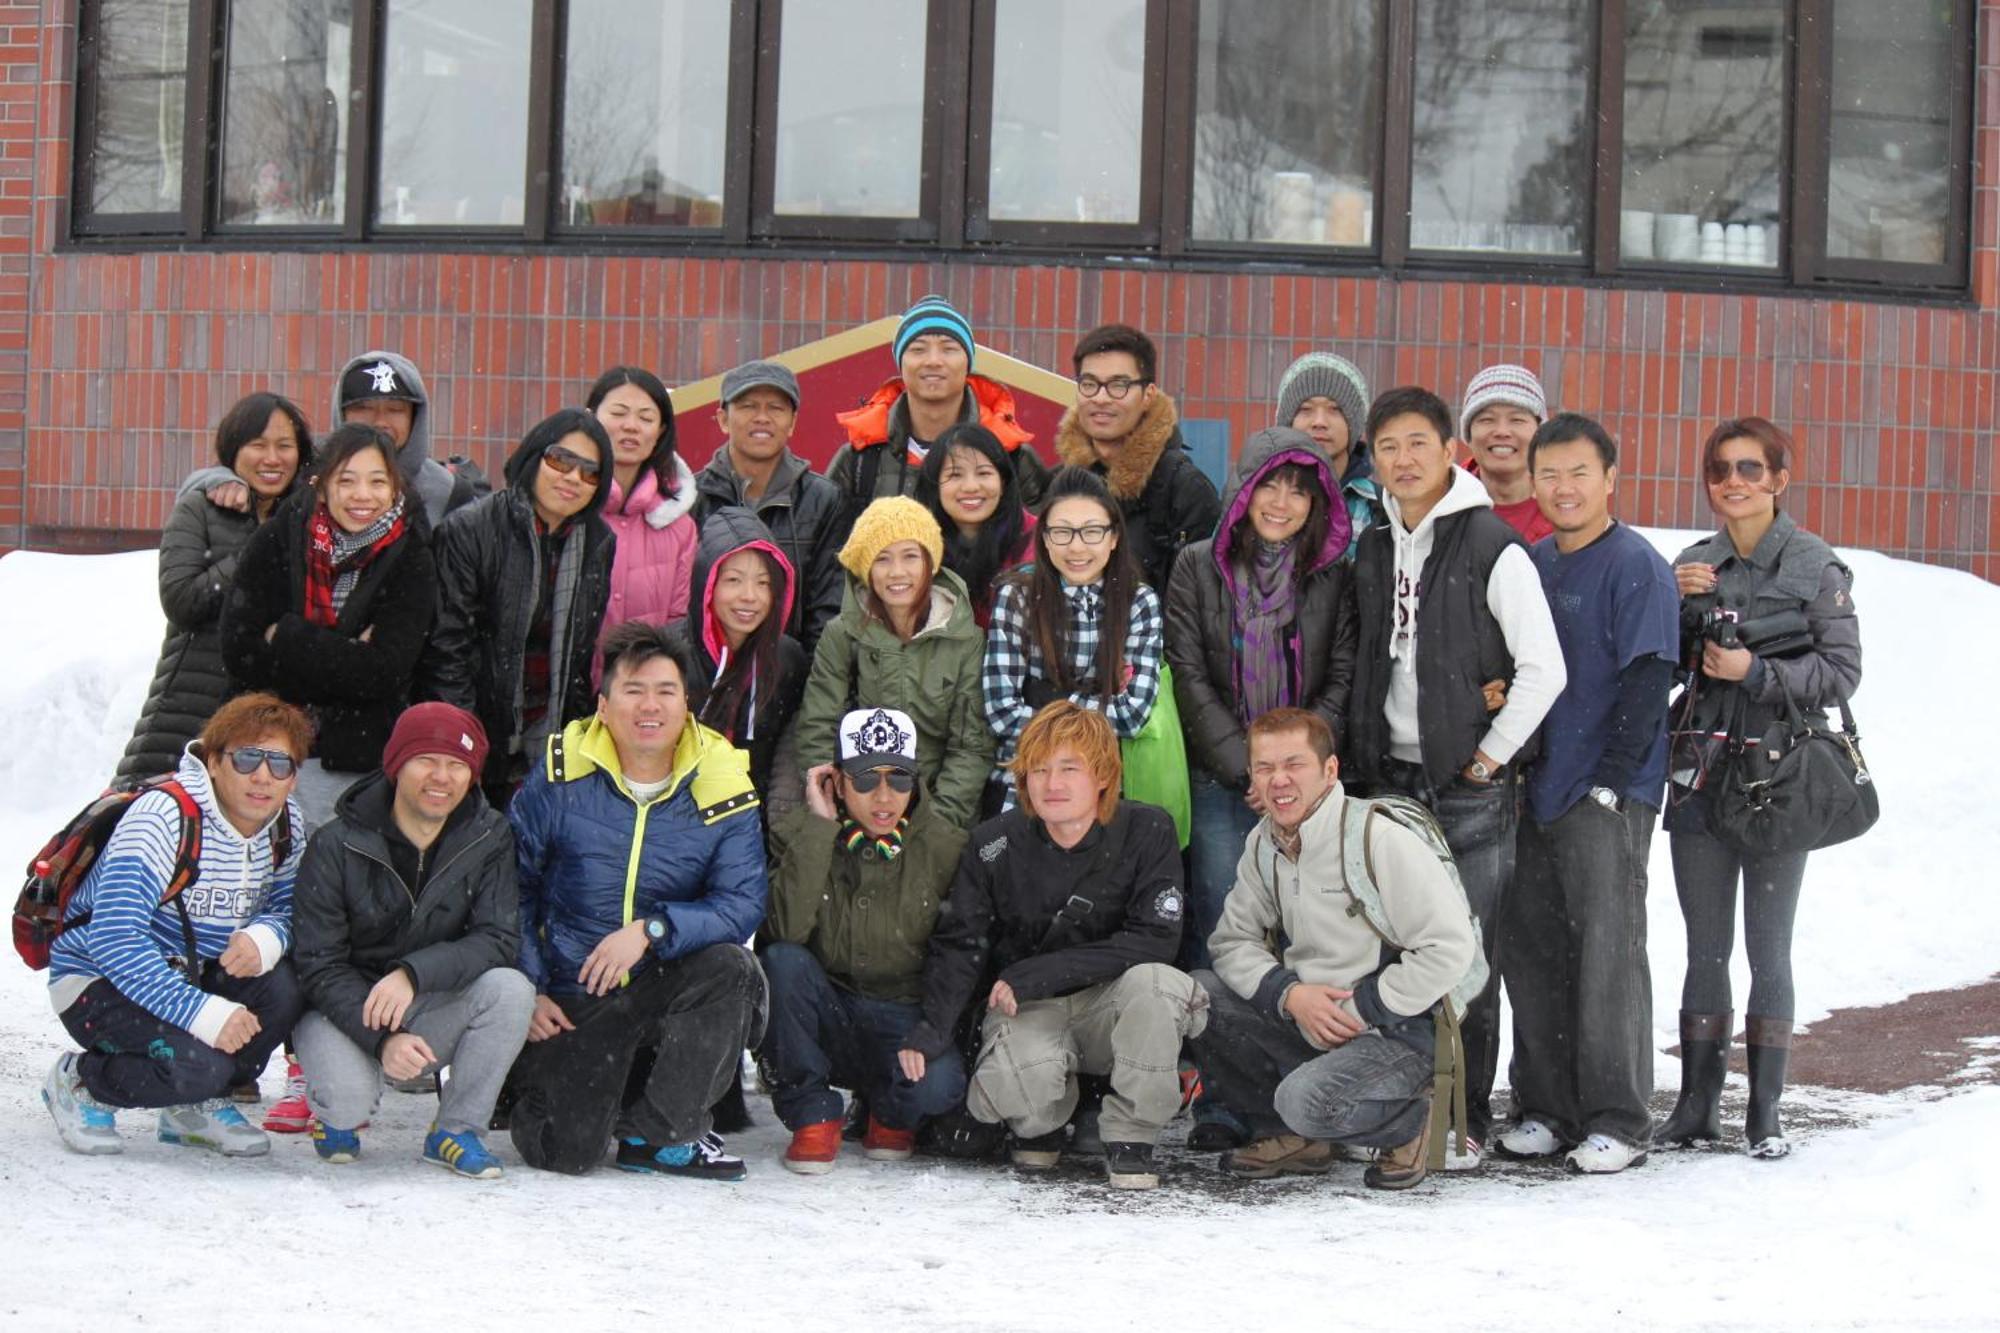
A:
1030	807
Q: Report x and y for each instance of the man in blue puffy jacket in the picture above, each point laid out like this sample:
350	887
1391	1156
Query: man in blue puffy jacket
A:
641	863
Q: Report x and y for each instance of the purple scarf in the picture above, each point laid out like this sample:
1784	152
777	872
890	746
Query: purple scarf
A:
1265	605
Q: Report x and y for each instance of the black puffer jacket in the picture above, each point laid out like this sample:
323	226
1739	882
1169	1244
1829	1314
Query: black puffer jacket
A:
724	533
199	548
802	510
490	577
1168	501
353	689
1319	644
362	907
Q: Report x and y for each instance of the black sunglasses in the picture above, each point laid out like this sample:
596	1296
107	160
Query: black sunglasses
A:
899	781
566	461
1750	469
245	758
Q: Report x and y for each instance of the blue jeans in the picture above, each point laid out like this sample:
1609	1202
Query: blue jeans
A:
1219	824
821	1035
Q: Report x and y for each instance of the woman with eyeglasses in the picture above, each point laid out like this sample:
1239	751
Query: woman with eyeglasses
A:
904	639
524	576
1767	612
333	600
648	501
264	442
1080	623
968	484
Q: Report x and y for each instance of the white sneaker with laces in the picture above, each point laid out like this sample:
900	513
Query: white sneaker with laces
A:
1602	1155
217	1125
1471	1159
86	1125
1530	1139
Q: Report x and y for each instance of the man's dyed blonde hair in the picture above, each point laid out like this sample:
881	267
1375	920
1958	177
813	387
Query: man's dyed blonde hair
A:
1066	724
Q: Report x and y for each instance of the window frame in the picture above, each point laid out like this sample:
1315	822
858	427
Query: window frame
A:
202	57
357	104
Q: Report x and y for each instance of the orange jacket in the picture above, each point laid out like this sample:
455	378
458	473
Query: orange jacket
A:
868	424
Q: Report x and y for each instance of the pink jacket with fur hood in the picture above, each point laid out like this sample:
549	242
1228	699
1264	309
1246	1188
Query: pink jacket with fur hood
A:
655	556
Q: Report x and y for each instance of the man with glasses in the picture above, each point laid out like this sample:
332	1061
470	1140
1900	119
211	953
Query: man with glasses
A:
857	879
1125	429
177	997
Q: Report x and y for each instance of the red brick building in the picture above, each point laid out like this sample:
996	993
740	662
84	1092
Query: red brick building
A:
1789	207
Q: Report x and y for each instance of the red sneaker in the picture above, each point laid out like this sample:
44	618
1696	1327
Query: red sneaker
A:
814	1148
290	1114
882	1144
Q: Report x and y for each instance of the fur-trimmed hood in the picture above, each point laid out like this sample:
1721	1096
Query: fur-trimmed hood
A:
1129	470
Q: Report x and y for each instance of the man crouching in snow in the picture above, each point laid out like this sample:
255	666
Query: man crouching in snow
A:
1332	1042
160	1028
408	927
1072	903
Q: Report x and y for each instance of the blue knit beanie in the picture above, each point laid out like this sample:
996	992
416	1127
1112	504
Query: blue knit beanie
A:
933	314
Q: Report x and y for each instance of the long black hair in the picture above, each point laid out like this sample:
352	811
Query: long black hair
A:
1047	610
661	461
545	435
979	559
755	665
1307	542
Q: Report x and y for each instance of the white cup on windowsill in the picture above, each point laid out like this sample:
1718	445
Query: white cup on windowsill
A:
1635	233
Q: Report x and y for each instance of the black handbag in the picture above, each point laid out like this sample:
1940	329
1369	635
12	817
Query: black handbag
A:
1797	788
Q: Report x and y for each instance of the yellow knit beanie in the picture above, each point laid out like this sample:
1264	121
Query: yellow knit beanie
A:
892	519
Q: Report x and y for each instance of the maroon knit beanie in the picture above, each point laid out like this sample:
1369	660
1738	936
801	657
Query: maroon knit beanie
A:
435	728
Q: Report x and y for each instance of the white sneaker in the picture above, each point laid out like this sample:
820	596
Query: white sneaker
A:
217	1125
85	1124
1470	1159
1770	1149
1530	1139
1602	1155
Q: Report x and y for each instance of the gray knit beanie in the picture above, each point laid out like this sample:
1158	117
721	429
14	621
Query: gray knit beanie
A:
1324	375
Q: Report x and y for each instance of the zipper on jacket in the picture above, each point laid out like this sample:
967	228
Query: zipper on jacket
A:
397	875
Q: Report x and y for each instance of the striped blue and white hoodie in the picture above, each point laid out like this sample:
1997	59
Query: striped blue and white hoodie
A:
131	934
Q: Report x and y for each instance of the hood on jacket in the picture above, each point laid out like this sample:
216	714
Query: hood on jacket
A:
1132	466
1267	450
992	404
192	774
1465	492
659	510
716	772
724	533
416	450
526	461
950	613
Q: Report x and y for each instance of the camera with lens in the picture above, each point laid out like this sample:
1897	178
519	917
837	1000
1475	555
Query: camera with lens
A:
1780	634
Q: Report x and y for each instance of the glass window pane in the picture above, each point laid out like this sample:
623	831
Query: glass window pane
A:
1501	147
454	113
1068	98
140	85
645	109
851	108
1889	185
284	111
1288	103
1704	130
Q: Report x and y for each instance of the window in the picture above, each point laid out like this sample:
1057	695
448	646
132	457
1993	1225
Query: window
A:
1704	133
1068	107
284	112
850	114
1501	143
132	132
645	106
1287	122
1889	160
454	147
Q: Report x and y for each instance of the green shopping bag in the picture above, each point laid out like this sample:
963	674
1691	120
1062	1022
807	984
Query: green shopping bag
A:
1156	768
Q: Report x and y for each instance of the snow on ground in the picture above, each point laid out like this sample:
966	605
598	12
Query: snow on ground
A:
1886	1225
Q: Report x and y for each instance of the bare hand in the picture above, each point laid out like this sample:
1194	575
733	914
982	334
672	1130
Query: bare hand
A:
613	957
1494	692
242	958
237	1032
230	495
548	1020
270	631
1002	998
1317	1011
912	1063
367	635
1254	801
1719	663
406	1055
819	792
388	1001
1694	580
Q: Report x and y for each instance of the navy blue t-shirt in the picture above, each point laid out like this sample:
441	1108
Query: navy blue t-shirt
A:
1614	602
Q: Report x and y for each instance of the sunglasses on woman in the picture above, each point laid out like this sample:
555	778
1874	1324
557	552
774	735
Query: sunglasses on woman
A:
245	759
1750	469
899	781
565	461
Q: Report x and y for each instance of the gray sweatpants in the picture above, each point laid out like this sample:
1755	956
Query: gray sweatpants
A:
1130	1029
477	1031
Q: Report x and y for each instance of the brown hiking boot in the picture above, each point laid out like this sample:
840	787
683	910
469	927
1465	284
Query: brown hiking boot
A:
1402	1167
1280	1155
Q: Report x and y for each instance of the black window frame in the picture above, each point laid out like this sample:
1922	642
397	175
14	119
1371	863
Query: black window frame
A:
953	215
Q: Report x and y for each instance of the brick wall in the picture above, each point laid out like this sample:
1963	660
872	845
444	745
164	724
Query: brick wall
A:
114	366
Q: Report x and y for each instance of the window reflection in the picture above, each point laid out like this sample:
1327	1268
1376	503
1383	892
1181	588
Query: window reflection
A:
140	85
454	113
851	109
1889	185
284	111
1068	102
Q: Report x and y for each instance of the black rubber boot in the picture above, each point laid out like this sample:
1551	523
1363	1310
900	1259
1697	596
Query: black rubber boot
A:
1697	1113
1767	1043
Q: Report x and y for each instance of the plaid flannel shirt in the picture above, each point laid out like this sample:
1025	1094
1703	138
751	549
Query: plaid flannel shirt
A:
1012	657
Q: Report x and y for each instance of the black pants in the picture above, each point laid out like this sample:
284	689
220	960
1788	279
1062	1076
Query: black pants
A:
1706	872
1574	941
693	1016
132	1058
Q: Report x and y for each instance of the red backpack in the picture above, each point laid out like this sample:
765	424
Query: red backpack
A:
41	913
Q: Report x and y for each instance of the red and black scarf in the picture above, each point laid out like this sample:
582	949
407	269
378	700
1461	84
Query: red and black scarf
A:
336	557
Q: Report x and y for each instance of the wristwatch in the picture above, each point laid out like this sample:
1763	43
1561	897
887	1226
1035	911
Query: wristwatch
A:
656	928
1607	798
1481	770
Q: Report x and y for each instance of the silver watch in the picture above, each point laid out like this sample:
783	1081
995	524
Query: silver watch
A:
1607	798
1481	770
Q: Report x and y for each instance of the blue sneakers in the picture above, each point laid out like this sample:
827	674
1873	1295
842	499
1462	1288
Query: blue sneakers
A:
85	1125
703	1159
461	1153
338	1146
